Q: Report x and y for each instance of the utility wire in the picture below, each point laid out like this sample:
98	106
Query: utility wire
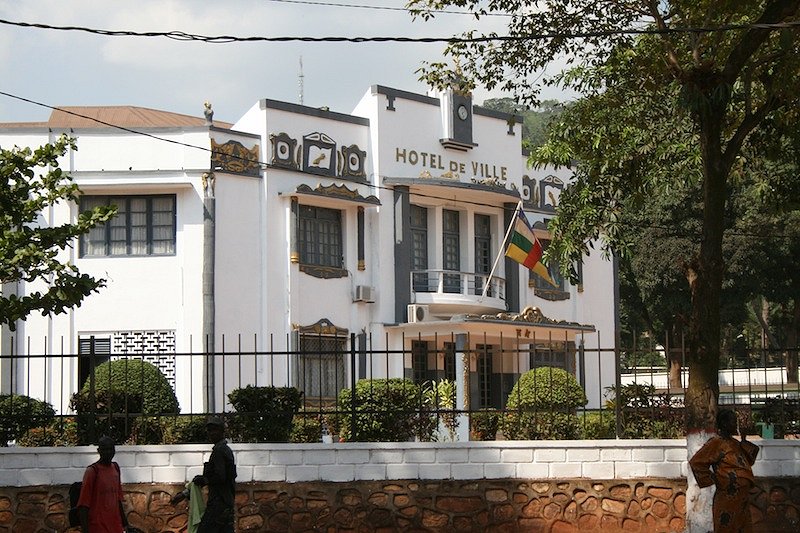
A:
265	166
387	8
217	39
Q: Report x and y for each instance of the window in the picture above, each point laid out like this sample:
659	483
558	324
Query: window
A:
419	361
552	354
320	237
419	248
450	361
144	225
451	254
483	252
99	347
320	365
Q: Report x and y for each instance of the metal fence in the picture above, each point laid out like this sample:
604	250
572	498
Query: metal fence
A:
323	387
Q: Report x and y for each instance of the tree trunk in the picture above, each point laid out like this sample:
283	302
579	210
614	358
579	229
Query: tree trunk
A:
674	358
791	344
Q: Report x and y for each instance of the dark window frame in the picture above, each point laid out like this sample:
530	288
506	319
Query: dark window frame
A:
313	228
124	219
316	352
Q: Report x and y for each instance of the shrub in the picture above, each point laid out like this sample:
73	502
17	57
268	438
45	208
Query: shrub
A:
483	424
263	414
541	405
647	415
598	425
306	427
441	423
386	410
20	413
124	390
59	432
112	413
184	429
136	377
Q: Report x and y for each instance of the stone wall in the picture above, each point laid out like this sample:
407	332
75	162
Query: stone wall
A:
550	486
440	506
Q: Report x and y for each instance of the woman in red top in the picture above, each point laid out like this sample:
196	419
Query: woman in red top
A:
100	503
726	462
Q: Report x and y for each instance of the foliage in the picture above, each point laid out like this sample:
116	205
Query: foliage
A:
439	397
306	427
136	377
541	405
31	182
386	410
61	431
597	425
112	413
483	424
535	122
263	414
123	390
182	429
20	413
645	414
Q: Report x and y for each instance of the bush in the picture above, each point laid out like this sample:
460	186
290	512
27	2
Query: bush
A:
124	390
483	424
647	415
20	413
441	423
263	414
306	427
59	432
112	413
136	377
542	405
387	410
598	425
183	429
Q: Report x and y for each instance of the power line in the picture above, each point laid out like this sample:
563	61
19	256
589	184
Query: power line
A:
219	39
386	8
265	166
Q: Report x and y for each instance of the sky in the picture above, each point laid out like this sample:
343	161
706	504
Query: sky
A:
70	68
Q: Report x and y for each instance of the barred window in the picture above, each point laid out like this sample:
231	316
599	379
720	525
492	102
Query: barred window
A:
143	225
485	352
320	366
320	237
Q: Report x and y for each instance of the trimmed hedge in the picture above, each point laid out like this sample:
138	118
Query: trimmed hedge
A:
263	414
19	414
542	405
386	410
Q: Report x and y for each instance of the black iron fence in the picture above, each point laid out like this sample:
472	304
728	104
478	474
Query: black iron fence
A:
333	387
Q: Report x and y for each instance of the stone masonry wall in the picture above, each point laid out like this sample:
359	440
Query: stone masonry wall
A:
415	506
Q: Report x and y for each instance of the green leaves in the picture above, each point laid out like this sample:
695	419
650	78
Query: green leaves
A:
31	182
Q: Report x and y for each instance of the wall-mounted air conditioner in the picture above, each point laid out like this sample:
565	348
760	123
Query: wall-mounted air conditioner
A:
364	293
419	313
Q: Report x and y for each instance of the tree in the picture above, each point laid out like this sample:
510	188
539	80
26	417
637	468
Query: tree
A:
722	85
535	122
30	183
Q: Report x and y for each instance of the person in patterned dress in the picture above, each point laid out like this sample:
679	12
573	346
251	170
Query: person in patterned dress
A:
726	462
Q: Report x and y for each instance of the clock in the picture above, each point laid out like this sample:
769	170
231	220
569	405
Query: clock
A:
463	112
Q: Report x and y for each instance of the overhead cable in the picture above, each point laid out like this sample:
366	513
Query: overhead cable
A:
218	39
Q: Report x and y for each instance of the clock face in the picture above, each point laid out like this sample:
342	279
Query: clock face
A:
463	112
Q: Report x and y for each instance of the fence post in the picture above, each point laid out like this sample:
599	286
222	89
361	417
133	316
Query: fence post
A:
92	397
353	424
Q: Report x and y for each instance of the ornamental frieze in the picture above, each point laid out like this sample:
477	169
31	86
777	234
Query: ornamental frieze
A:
233	157
318	153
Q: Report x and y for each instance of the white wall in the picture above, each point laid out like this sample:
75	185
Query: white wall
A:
342	462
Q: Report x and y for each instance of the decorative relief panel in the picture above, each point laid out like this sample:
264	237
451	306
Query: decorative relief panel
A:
319	154
233	157
550	189
155	347
283	151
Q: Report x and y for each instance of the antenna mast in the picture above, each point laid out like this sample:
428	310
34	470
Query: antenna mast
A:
300	80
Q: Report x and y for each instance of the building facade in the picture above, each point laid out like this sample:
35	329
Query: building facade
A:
310	248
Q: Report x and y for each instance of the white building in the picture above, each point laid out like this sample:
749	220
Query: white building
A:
312	231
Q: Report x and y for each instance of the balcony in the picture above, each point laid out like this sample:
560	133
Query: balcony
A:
448	292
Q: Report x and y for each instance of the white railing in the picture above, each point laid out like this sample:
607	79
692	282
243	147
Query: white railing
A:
454	282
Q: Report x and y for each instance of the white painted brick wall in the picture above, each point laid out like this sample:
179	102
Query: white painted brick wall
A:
606	459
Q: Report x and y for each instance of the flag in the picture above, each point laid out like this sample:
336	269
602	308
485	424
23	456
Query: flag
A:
524	247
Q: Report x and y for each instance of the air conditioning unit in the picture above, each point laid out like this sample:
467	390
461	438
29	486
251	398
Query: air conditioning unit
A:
419	313
365	293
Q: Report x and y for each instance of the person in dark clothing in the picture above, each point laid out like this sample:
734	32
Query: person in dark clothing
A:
219	475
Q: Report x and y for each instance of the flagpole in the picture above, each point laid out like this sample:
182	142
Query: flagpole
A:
500	252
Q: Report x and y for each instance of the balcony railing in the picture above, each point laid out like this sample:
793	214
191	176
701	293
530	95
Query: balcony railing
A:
447	282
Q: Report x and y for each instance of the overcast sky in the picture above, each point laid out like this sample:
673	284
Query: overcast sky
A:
69	68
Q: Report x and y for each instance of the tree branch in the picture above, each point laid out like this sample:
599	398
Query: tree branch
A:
775	12
749	122
672	57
